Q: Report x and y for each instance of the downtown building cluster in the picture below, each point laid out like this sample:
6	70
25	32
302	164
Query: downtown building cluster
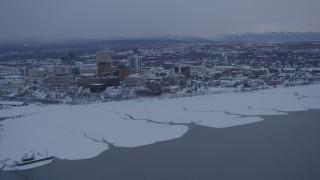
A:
161	69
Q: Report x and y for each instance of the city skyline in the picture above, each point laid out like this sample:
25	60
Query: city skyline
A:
112	19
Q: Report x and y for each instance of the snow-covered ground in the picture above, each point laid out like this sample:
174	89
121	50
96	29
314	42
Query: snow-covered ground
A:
84	131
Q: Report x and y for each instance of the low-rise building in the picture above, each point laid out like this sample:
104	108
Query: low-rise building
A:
59	80
134	80
171	89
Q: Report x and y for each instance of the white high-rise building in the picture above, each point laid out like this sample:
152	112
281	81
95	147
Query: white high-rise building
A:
135	64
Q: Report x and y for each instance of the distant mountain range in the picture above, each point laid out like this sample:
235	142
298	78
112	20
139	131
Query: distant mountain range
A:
272	36
259	37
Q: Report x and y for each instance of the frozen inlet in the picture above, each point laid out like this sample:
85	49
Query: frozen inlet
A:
84	131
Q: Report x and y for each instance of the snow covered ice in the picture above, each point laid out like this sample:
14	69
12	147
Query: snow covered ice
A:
84	131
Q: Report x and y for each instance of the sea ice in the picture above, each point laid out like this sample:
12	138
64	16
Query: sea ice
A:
84	131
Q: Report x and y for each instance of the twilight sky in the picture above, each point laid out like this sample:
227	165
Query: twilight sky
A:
59	19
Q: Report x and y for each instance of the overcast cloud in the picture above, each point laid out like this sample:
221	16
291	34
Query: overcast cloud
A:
149	18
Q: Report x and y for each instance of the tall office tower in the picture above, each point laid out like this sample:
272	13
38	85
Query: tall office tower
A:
103	60
225	58
103	56
135	64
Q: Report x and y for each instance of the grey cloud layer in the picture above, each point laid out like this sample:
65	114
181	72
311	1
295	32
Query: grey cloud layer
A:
143	18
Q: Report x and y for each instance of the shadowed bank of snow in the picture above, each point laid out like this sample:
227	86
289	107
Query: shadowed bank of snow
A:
84	131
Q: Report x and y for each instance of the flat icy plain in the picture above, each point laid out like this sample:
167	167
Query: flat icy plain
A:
84	131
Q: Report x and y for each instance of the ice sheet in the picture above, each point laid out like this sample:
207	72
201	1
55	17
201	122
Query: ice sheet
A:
84	131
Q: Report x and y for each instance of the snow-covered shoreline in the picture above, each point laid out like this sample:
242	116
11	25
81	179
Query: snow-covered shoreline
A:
85	130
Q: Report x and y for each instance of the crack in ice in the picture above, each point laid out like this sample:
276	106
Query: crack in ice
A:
304	96
17	116
99	141
171	123
226	112
276	110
